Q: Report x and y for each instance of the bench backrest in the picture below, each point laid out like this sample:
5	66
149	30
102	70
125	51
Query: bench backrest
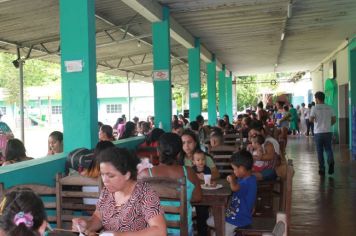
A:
71	199
172	190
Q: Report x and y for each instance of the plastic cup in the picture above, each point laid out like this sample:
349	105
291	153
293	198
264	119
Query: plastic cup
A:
207	179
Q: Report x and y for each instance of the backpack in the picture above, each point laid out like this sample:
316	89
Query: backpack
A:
79	159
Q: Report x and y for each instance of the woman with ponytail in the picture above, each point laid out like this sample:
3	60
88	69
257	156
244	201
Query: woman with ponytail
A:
22	213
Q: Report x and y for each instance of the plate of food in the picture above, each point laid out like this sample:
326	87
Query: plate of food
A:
211	187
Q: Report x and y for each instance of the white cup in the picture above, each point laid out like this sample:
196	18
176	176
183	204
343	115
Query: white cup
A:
207	179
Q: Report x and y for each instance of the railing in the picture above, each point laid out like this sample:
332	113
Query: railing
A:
43	170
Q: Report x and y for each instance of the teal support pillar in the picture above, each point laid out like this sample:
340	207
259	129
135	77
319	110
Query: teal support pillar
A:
78	69
194	81
222	92
229	96
352	96
162	72
211	86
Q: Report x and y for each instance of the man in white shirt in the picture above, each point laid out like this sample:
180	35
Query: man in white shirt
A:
323	117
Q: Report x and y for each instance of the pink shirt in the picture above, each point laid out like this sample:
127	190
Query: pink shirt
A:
133	215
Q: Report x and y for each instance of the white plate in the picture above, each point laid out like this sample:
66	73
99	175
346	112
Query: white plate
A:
203	186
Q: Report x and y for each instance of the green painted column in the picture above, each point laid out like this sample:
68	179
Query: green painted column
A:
194	81
222	92
162	72
352	90
78	69
229	96
211	86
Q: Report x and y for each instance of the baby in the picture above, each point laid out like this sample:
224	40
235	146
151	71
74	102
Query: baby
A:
257	152
199	165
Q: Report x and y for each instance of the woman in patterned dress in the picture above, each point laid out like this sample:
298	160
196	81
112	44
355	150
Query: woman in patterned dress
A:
125	207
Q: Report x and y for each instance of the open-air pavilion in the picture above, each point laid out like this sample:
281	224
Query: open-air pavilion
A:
178	42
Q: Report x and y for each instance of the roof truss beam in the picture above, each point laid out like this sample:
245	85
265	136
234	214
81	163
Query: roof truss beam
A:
152	11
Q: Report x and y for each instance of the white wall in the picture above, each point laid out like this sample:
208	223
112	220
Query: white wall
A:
323	71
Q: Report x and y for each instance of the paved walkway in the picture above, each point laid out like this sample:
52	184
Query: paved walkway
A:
322	205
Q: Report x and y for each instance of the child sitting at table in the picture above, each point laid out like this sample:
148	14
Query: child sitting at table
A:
244	187
199	164
257	151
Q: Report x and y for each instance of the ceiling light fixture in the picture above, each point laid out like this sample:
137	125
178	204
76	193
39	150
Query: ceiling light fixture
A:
282	36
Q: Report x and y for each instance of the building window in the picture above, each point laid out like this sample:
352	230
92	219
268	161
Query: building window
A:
56	109
113	108
3	110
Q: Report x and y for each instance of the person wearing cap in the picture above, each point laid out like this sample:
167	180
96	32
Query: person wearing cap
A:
244	187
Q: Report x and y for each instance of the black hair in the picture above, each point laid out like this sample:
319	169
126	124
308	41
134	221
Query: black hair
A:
194	125
310	105
280	103
240	116
303	104
221	123
169	146
100	124
15	150
258	138
320	96
260	104
242	158
286	108
121	159
154	136
107	129
256	124
57	135
118	121
102	145
176	124
130	128
199	119
22	201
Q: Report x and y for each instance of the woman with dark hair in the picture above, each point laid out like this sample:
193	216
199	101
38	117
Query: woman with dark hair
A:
148	149
119	127
22	213
191	144
130	130
55	143
170	145
125	205
15	152
106	133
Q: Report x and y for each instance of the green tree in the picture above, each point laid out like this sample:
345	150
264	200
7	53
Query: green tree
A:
246	91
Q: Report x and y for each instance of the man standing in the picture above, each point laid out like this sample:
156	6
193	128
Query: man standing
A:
323	117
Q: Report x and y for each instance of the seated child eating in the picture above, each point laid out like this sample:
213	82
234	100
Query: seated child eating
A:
244	187
257	152
199	165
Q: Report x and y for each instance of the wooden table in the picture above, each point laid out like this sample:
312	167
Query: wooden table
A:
217	200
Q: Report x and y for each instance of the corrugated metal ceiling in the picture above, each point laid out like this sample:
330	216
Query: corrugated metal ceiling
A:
244	34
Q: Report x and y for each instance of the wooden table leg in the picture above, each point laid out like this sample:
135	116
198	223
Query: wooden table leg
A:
219	219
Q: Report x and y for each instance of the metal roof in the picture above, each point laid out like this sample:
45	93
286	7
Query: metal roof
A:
243	34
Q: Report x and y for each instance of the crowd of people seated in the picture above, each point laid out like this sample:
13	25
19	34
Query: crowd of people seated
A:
127	204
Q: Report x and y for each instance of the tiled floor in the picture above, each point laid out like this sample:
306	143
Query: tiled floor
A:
322	205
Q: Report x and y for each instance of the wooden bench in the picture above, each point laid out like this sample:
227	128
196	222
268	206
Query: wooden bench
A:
172	190
70	198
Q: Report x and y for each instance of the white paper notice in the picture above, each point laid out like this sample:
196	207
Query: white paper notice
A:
194	95
74	66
